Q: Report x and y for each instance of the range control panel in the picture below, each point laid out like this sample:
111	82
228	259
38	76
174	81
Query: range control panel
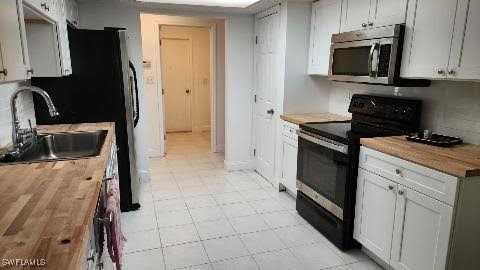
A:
386	107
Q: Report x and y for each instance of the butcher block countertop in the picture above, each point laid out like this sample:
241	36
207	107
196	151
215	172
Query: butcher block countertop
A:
47	208
313	118
460	161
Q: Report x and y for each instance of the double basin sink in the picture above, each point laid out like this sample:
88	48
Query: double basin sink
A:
63	146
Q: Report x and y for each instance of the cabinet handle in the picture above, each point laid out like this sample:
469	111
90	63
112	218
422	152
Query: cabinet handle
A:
398	171
364	25
370	23
400	192
4	72
390	187
30	71
451	72
44	5
441	71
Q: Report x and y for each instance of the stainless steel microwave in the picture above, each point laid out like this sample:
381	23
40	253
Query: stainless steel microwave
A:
367	56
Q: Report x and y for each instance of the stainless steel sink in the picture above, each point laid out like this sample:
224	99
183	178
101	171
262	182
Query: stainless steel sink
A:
64	146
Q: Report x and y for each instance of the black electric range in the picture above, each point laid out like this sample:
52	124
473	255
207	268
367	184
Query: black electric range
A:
327	162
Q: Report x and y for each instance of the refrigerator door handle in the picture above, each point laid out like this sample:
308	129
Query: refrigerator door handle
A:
136	108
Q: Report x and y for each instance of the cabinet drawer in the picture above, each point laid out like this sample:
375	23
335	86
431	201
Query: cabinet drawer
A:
290	130
435	184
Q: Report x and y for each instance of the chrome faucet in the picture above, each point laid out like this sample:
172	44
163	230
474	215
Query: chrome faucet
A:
18	134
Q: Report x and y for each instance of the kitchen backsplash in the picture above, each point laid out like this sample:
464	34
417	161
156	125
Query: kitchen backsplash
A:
451	108
25	111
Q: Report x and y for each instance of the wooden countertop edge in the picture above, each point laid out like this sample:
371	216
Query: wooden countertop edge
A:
299	119
77	251
388	146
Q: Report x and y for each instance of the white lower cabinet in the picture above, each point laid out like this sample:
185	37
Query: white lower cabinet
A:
289	157
405	222
421	231
374	220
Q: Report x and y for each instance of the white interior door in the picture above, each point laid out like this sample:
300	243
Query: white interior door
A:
177	84
266	51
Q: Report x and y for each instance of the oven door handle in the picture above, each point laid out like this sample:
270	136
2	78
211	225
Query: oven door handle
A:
372	73
336	147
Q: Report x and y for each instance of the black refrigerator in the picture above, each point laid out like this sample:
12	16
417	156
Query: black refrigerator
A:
102	88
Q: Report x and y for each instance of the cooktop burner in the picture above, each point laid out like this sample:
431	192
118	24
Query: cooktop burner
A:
372	116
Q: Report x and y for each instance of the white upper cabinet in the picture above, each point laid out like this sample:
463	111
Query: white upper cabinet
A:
71	12
464	61
422	232
355	15
47	8
387	12
64	47
325	22
47	36
364	14
442	40
14	61
428	36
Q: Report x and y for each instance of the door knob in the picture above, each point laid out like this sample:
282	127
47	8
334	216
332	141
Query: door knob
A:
271	111
400	192
441	71
390	187
364	25
370	23
187	91
451	72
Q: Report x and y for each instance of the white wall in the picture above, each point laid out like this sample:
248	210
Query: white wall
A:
239	92
25	111
302	93
451	108
239	59
200	38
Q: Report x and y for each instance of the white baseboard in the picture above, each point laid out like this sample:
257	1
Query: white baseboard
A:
144	176
247	165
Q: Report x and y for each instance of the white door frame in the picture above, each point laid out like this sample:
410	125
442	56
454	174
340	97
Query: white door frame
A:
213	84
190	44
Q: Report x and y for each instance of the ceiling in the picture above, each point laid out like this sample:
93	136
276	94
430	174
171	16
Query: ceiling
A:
252	9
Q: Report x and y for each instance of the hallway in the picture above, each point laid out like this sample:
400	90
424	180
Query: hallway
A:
196	215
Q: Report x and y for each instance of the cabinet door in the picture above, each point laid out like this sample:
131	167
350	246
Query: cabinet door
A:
326	15
465	58
289	164
375	213
421	233
428	36
63	38
46	8
387	12
12	42
355	14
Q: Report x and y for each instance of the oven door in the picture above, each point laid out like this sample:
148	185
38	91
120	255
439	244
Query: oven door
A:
364	61
322	171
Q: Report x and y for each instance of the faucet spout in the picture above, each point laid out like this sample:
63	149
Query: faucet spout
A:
15	122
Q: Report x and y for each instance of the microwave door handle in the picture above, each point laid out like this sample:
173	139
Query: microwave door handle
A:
371	73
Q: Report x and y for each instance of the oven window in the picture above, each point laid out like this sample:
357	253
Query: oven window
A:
351	61
323	169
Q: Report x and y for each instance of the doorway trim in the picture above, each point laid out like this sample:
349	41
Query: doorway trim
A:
214	147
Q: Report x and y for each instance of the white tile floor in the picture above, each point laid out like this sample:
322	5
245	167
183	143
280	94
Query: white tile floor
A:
197	216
